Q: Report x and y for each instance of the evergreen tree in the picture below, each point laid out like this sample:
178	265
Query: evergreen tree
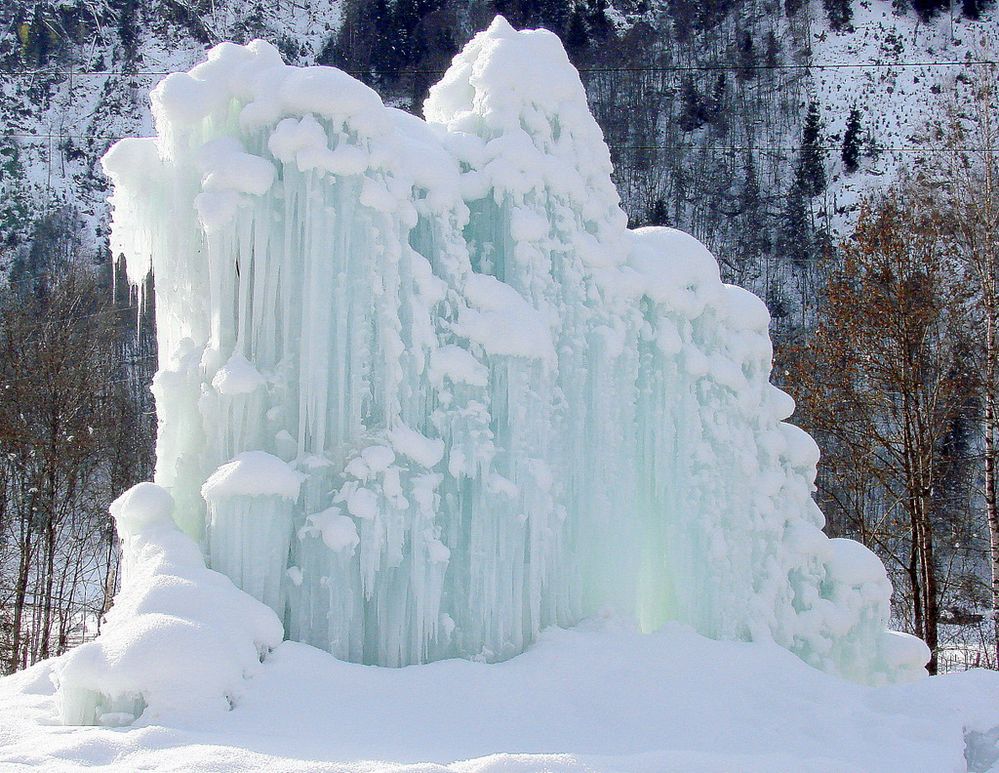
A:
746	55
710	13
406	16
927	9
128	30
524	14
754	226
754	216
972	9
791	7
577	37
385	50
796	241
37	46
691	110
682	13
509	10
553	15
596	18
839	13
810	175
872	149
715	109
658	213
772	58
851	142
749	196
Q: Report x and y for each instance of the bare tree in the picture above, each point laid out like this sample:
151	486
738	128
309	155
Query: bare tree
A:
882	384
71	438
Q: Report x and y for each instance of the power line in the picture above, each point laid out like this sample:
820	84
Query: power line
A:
636	68
829	66
617	146
790	149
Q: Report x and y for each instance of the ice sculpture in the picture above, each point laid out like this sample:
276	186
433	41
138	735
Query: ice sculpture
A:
423	393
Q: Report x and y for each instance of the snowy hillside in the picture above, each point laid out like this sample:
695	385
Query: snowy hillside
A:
58	115
898	98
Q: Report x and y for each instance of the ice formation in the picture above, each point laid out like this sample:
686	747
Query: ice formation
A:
423	393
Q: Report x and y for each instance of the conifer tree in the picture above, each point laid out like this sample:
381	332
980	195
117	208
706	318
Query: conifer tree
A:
756	229
796	242
927	9
596	17
511	11
811	174
379	22
691	110
839	13
851	142
791	7
405	20
577	37
772	56
747	56
658	213
553	15
128	30
38	43
714	111
972	9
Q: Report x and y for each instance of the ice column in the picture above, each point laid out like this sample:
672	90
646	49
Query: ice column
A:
423	393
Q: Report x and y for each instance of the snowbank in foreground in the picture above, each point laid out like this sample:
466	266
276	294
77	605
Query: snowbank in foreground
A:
595	698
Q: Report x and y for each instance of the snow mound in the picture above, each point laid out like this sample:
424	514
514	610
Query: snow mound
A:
180	638
253	474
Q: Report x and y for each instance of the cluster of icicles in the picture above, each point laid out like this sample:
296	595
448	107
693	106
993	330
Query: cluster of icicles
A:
423	393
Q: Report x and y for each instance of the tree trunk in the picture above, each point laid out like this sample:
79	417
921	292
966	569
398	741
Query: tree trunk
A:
930	596
990	477
20	595
50	550
917	594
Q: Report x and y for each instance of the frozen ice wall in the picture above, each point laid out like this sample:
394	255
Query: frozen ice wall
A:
423	393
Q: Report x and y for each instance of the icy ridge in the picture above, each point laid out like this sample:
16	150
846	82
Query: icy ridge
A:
506	410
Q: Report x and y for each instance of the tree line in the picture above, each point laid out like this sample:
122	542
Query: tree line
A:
76	429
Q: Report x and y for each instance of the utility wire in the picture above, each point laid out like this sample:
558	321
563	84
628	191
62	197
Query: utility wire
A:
829	66
637	68
617	146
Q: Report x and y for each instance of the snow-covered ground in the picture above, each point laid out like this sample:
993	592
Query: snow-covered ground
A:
596	698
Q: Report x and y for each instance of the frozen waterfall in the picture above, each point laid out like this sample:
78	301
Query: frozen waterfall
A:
423	393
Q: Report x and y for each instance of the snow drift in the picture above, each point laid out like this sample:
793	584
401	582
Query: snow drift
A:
422	392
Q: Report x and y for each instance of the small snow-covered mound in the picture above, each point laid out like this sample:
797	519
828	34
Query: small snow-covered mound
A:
596	698
179	636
